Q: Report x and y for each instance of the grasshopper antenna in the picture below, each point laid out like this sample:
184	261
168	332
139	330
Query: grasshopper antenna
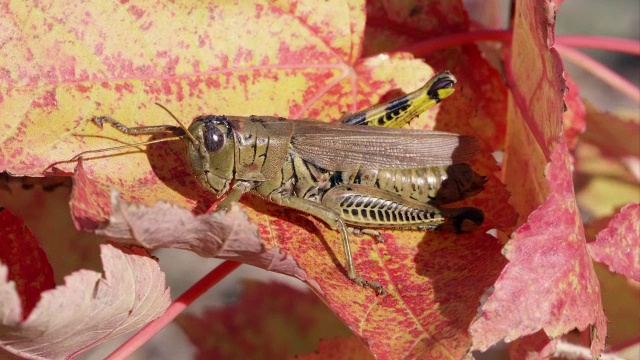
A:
180	132
78	156
186	130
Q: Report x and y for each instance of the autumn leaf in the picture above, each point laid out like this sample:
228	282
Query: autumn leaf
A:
555	264
533	346
40	321
549	269
618	246
479	107
607	173
165	225
345	348
269	321
317	60
620	297
242	59
26	266
574	121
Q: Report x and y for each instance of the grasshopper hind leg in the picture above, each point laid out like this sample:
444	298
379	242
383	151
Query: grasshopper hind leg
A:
334	220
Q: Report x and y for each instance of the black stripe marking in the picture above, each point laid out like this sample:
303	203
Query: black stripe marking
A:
336	178
367	203
358	178
266	151
356	119
306	165
396	107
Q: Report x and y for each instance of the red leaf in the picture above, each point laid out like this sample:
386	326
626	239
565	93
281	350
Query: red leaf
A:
131	293
549	272
339	348
534	346
27	266
534	74
480	106
574	119
617	136
618	246
298	60
89	201
287	320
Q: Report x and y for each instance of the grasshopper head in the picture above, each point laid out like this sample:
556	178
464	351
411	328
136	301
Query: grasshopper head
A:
212	155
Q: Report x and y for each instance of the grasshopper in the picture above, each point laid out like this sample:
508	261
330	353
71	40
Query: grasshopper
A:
356	176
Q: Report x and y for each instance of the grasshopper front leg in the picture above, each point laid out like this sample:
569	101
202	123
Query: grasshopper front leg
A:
334	221
233	195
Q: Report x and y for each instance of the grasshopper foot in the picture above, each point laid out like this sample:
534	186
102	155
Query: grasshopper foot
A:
374	233
371	284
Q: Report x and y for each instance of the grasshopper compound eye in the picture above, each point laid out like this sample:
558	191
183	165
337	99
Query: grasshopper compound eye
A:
213	138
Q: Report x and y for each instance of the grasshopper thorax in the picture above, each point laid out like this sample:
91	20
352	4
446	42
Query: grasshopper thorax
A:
212	157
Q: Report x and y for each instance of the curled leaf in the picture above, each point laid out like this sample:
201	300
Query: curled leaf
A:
88	309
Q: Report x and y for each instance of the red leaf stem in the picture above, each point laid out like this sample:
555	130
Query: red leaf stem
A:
181	303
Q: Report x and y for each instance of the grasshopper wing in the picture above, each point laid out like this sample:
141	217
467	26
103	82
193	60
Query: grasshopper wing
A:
341	147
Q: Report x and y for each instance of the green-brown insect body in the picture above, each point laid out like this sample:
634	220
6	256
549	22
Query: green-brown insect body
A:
375	176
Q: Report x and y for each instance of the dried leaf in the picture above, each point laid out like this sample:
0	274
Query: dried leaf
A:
131	293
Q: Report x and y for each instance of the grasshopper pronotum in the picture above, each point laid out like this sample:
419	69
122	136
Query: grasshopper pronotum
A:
352	177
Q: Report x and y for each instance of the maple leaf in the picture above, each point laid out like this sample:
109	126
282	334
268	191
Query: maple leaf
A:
350	348
43	322
480	106
547	253
555	264
249	58
619	244
288	320
316	60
